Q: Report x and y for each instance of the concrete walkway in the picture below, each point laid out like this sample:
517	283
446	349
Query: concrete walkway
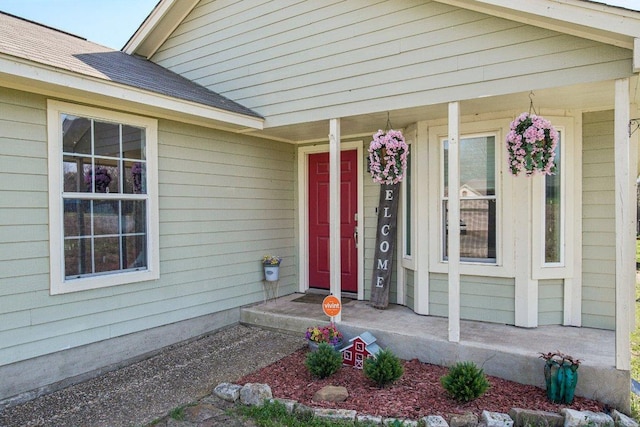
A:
148	390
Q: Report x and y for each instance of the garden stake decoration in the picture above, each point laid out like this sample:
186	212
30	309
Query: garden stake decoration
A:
561	376
531	144
388	162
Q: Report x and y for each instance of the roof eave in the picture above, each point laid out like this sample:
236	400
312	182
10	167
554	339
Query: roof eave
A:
34	77
595	21
158	26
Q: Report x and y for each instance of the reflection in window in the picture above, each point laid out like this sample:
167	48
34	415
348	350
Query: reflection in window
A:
104	196
477	199
553	212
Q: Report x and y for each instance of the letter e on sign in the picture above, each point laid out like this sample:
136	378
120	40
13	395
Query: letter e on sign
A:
331	306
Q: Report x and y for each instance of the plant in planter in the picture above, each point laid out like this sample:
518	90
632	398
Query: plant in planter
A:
271	264
561	376
388	157
324	334
531	145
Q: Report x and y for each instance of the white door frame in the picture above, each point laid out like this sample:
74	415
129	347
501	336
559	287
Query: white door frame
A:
303	210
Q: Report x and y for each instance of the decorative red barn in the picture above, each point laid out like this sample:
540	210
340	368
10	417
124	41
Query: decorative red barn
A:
360	348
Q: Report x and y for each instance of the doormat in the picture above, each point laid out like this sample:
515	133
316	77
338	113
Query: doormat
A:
317	299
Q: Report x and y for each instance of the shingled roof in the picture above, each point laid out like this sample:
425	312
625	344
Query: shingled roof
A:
29	40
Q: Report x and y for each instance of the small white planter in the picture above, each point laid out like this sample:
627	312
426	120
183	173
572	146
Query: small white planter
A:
271	272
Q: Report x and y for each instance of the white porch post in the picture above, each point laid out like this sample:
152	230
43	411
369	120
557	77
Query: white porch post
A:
421	275
334	211
453	221
625	226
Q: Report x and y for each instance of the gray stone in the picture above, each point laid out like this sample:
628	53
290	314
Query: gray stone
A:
331	393
255	394
527	417
394	421
368	419
434	421
303	410
335	414
466	420
289	404
496	419
227	391
573	418
623	420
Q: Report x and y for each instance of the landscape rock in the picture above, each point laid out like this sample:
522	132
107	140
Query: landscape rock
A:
623	420
303	410
331	393
255	394
434	421
465	420
335	414
573	418
368	419
496	419
528	417
227	391
399	421
289	404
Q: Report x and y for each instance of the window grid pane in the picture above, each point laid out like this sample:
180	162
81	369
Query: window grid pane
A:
553	212
478	200
103	234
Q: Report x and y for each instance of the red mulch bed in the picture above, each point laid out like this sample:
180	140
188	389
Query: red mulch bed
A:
417	394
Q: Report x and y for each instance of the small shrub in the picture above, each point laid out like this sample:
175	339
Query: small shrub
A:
465	381
384	369
323	362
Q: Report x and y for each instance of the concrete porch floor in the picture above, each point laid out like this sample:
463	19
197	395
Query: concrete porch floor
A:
503	351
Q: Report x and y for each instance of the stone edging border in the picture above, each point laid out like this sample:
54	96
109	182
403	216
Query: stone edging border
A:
257	394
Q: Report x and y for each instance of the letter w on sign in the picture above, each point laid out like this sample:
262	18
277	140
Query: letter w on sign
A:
385	244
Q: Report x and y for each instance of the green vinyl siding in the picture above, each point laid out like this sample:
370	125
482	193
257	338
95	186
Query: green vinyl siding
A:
598	221
488	299
294	60
410	286
225	200
550	302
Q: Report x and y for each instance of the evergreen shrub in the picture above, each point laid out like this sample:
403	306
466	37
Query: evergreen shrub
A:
465	382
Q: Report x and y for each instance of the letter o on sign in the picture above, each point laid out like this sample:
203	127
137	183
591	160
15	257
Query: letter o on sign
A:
331	306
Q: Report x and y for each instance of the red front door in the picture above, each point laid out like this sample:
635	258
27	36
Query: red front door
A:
319	220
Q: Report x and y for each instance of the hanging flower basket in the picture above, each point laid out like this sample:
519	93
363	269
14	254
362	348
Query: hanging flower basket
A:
388	157
531	145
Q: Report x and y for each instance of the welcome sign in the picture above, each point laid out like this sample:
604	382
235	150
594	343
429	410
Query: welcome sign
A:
388	162
385	243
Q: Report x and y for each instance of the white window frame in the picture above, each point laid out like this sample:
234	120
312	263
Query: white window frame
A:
569	188
58	283
504	265
409	260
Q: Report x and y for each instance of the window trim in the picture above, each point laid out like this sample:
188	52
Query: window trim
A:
58	283
408	217
569	186
504	265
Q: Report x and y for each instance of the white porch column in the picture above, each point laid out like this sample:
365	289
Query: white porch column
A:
453	221
625	226
334	211
421	275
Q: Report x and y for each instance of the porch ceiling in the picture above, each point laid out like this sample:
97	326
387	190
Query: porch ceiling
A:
594	96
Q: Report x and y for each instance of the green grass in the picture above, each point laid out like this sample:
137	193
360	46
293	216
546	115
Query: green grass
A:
275	414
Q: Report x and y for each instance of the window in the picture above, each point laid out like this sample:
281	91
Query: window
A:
478	233
103	197
553	219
